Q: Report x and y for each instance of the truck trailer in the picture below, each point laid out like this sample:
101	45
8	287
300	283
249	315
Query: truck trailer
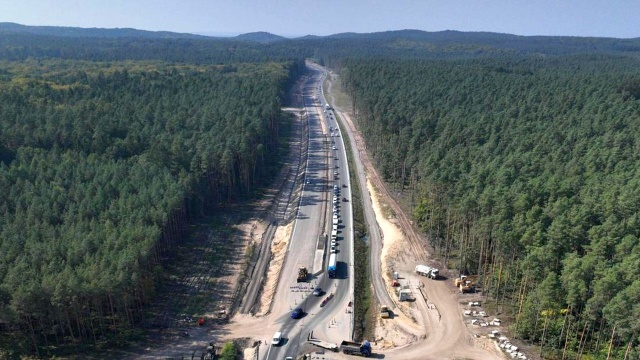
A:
354	348
331	269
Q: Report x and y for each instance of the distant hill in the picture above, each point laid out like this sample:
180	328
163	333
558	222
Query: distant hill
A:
422	35
20	42
262	37
452	41
7	27
308	37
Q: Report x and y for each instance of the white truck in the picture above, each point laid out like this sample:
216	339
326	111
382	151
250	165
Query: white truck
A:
427	271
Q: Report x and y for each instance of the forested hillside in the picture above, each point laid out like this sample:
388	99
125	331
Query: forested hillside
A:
75	32
101	164
17	43
523	170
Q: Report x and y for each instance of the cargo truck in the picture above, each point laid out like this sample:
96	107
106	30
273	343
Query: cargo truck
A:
427	271
331	269
302	274
354	348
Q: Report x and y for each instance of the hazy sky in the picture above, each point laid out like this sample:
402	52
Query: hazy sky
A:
611	18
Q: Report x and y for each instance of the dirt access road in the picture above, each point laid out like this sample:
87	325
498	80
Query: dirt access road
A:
432	327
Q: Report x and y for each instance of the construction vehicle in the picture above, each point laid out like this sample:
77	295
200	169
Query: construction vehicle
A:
385	313
354	348
427	271
405	295
465	283
302	274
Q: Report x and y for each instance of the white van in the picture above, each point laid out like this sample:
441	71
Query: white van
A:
277	338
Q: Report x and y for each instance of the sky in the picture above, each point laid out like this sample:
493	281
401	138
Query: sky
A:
600	18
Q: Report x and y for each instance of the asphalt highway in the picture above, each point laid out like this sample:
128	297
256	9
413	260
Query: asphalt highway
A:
326	166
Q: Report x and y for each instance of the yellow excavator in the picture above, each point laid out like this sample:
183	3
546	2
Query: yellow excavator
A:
466	283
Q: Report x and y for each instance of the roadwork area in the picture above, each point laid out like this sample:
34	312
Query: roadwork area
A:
432	323
278	252
431	326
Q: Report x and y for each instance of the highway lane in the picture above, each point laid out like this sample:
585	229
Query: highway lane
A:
373	229
313	219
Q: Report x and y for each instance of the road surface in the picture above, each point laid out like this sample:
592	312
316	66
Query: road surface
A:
313	219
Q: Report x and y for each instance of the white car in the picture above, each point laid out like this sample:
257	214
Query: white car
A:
333	249
333	243
277	338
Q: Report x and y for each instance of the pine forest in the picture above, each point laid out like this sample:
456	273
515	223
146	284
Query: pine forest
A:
101	165
523	170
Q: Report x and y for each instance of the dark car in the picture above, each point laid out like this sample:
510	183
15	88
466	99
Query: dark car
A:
297	313
317	291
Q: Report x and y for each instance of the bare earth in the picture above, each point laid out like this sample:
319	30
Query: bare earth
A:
278	251
432	327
